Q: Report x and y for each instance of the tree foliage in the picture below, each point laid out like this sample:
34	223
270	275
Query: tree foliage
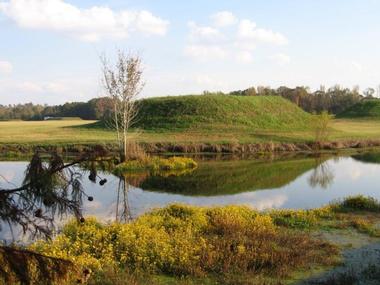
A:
334	100
321	126
95	109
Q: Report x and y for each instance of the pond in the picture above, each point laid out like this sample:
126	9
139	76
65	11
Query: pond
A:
297	182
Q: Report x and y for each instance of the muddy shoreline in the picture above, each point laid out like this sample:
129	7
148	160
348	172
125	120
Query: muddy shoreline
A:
160	148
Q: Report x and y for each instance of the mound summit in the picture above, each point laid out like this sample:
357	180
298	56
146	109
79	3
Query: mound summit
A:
211	111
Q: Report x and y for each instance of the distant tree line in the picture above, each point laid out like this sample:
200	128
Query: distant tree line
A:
333	100
95	109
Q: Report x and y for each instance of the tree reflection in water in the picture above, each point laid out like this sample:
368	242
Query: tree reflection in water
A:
322	175
123	210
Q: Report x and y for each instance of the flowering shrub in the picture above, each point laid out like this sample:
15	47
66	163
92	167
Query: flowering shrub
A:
183	240
156	164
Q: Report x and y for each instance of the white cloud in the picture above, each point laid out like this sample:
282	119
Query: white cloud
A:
54	87
203	33
356	66
281	58
207	81
208	42
244	57
248	30
53	91
147	23
5	67
205	51
91	24
223	19
29	87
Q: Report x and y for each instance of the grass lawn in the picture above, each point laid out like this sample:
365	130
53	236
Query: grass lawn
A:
79	131
51	132
356	128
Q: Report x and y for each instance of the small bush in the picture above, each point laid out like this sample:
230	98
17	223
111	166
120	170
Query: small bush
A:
156	164
357	203
299	219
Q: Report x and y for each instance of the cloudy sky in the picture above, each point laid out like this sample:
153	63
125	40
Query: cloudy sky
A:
49	49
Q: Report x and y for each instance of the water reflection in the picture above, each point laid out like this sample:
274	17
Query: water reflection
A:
88	188
214	178
123	209
322	174
369	157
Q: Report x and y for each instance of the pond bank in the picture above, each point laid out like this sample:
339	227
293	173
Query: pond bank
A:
178	244
159	148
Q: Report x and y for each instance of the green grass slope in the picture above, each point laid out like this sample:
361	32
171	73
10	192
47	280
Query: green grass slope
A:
211	111
367	108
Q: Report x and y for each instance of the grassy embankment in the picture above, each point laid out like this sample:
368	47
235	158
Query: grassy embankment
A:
221	245
197	119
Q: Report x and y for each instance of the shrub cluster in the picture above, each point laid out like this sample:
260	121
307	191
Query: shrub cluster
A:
301	219
358	203
156	164
189	241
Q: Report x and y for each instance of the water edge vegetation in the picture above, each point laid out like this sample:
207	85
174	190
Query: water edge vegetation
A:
230	244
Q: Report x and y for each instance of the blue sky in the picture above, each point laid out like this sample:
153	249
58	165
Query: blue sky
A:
49	49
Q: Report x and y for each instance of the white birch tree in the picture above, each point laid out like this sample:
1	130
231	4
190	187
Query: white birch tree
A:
123	83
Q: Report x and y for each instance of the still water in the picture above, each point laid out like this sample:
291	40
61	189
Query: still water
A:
299	183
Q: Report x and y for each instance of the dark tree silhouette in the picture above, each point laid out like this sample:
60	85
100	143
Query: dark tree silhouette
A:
50	188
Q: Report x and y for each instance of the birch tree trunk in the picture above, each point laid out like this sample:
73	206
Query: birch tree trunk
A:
123	83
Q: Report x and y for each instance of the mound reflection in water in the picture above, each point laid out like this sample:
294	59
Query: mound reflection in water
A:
295	182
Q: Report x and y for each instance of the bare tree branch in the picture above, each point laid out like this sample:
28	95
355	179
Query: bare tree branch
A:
123	83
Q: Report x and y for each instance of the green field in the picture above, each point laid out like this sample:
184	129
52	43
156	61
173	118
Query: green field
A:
71	132
200	119
68	132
